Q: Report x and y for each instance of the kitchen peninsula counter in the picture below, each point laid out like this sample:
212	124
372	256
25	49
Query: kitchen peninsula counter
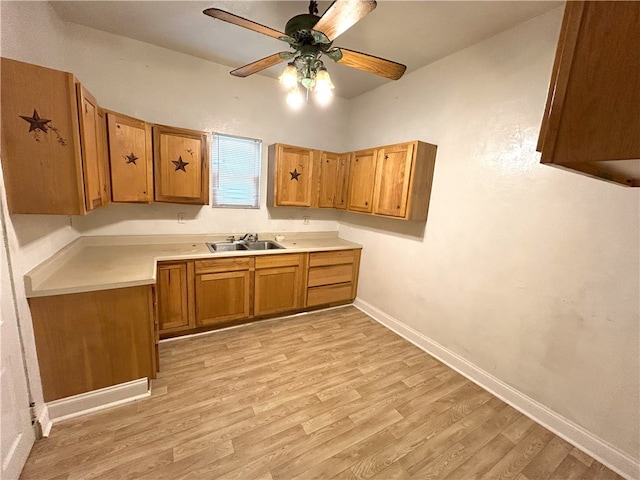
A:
108	262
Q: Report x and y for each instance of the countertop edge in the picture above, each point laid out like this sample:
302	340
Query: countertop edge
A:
48	271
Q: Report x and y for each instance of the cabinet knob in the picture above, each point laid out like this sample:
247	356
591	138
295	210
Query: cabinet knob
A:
366	203
398	207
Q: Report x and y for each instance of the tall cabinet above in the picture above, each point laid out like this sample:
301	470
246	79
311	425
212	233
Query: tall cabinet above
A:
53	142
62	154
591	123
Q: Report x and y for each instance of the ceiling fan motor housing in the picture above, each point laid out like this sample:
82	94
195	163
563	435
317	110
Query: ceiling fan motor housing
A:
299	27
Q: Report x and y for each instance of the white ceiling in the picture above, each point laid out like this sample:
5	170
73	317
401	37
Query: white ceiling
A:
414	33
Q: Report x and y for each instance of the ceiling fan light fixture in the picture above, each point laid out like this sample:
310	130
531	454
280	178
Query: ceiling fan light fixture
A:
294	97
324	87
289	76
323	81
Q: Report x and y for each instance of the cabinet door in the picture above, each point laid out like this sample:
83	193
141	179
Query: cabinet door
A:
41	158
329	163
293	176
342	182
591	123
181	165
174	289
221	297
393	175
129	159
362	177
92	144
279	284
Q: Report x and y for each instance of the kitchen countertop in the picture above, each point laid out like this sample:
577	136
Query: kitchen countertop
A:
105	262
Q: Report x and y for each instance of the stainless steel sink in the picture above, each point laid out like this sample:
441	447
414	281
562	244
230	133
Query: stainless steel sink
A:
242	246
263	245
226	246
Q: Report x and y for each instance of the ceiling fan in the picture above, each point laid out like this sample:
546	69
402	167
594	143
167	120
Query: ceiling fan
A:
311	37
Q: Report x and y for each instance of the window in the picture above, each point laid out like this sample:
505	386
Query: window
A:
235	172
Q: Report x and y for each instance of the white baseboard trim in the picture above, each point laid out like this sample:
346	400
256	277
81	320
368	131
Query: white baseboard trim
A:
96	400
606	454
45	421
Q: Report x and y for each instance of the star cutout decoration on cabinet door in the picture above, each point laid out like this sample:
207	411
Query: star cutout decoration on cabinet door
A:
131	158
180	164
38	124
295	174
35	122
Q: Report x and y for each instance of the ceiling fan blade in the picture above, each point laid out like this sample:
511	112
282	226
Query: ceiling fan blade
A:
369	63
243	22
342	15
258	65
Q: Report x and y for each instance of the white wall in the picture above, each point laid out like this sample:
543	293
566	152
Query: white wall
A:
529	272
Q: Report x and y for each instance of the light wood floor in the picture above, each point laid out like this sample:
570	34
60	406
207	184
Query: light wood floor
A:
326	395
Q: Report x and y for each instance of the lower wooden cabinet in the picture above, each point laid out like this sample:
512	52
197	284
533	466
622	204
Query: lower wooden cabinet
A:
175	296
223	289
194	295
279	283
92	340
332	277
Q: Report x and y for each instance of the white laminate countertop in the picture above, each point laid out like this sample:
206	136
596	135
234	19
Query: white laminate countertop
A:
102	263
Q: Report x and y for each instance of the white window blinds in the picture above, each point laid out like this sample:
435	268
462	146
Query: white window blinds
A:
235	172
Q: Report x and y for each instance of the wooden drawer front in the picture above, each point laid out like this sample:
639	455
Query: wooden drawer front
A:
330	274
269	261
338	257
224	265
222	297
329	294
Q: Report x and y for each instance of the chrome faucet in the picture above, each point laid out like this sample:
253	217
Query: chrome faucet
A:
249	237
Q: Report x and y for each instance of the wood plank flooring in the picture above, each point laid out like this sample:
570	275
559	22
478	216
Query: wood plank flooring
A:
327	395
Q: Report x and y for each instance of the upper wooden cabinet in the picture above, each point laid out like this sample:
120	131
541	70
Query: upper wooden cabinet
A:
334	180
362	178
393	181
130	159
292	176
181	165
47	126
94	150
592	123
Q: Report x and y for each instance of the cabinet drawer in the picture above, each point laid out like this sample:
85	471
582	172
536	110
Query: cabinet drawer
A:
337	257
269	261
216	265
330	274
329	294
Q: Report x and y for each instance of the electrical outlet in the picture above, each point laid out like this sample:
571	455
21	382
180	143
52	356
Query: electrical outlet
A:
181	217
305	220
